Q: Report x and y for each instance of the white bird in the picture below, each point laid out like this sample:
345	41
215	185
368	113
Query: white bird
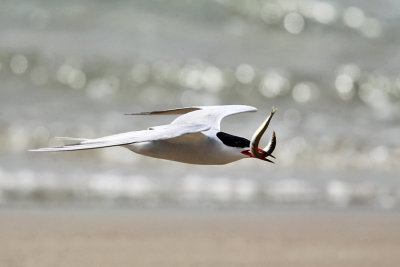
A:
194	138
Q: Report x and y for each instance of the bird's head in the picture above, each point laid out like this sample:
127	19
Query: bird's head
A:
250	148
242	146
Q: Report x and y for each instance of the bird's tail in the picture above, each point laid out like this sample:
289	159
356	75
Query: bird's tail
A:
76	145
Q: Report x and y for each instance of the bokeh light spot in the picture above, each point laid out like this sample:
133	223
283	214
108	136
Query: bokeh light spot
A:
19	64
353	17
344	86
273	84
245	73
294	23
302	93
212	79
324	12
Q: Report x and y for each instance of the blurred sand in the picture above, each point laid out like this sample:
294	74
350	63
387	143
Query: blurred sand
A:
98	238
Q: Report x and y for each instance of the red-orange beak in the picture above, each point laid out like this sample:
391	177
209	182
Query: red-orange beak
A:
248	153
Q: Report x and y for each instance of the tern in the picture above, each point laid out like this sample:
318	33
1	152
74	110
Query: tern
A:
194	137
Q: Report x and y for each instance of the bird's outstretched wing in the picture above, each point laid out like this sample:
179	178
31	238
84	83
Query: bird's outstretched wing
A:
176	111
152	134
209	115
212	115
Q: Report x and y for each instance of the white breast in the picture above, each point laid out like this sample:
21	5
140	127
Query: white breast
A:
208	151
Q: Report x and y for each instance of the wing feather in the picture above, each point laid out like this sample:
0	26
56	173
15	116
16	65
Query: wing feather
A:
158	133
192	120
176	111
210	115
213	115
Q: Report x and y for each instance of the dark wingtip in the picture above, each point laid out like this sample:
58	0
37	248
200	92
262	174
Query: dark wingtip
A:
140	113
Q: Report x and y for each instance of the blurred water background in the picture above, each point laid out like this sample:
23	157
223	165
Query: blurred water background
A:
73	68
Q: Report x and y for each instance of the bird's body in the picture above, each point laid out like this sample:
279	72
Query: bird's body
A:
198	148
194	137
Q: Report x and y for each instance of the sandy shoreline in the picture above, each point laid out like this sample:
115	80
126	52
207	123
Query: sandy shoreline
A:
198	238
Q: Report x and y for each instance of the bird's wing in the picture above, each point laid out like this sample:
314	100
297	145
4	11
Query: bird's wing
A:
176	111
153	134
209	115
212	115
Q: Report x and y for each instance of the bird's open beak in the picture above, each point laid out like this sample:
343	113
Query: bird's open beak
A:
255	140
248	153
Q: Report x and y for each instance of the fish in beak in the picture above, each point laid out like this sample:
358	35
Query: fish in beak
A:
255	140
